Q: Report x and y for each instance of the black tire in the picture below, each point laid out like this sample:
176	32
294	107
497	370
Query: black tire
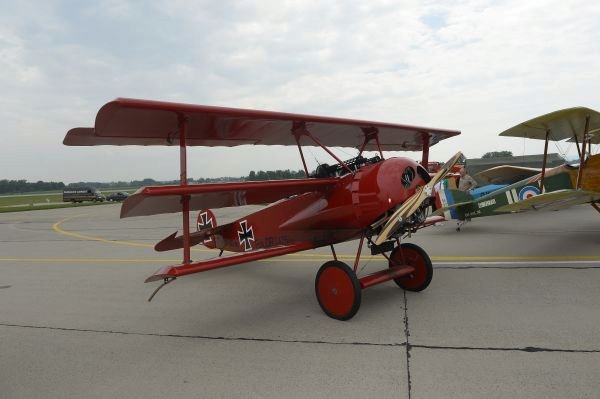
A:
415	256
338	290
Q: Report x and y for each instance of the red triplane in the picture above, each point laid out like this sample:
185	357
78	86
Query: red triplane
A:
374	199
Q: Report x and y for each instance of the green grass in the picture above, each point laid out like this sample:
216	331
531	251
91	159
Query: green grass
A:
34	201
20	203
29	200
50	206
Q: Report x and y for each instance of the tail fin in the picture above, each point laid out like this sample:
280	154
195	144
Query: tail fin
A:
207	220
449	201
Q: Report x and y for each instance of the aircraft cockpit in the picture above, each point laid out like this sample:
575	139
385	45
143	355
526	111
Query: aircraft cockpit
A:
354	164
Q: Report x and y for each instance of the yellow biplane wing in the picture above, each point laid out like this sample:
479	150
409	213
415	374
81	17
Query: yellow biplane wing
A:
563	124
554	200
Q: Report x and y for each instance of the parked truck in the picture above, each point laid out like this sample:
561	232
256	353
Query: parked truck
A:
81	194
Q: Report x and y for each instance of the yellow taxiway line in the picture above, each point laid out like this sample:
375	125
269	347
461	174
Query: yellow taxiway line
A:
285	258
325	257
57	227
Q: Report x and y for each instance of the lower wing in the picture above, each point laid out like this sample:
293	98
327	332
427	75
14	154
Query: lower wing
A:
553	200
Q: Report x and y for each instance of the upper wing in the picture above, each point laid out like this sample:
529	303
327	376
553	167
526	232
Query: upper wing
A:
167	199
553	200
142	122
562	124
506	174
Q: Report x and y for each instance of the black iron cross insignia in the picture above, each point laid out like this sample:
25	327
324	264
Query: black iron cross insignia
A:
246	235
205	222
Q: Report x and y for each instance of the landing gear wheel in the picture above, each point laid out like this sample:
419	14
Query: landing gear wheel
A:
415	256
338	290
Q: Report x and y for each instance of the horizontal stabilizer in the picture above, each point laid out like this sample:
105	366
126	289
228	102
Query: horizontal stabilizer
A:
552	201
440	211
176	242
167	199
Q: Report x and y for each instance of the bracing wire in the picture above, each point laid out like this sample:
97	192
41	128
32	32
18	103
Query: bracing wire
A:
341	150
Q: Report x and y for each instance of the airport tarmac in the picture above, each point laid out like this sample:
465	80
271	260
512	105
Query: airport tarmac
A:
513	311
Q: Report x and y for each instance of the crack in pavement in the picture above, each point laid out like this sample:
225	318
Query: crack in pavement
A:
517	267
528	349
407	334
206	337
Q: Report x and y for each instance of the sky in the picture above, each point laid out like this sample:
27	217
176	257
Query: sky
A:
476	66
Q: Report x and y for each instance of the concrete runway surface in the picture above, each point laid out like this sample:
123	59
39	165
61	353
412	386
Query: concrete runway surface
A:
513	312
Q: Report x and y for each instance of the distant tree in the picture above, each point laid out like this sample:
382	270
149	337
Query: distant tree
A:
274	175
497	154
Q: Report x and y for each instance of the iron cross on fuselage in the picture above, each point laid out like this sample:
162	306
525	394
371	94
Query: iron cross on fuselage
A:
246	235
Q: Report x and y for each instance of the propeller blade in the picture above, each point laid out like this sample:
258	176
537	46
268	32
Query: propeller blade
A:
410	206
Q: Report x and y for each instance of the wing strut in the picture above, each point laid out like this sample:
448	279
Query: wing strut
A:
425	155
299	130
577	144
302	155
185	199
370	134
582	160
544	161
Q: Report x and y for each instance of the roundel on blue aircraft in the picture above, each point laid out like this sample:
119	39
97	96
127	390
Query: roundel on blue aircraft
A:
528	192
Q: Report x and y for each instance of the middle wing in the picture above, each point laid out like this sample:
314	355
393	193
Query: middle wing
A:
167	199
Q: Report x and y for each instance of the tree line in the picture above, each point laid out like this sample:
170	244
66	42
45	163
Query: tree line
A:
497	154
22	186
151	182
275	175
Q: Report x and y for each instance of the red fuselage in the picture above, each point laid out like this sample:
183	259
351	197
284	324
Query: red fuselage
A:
340	214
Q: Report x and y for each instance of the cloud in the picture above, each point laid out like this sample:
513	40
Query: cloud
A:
478	66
